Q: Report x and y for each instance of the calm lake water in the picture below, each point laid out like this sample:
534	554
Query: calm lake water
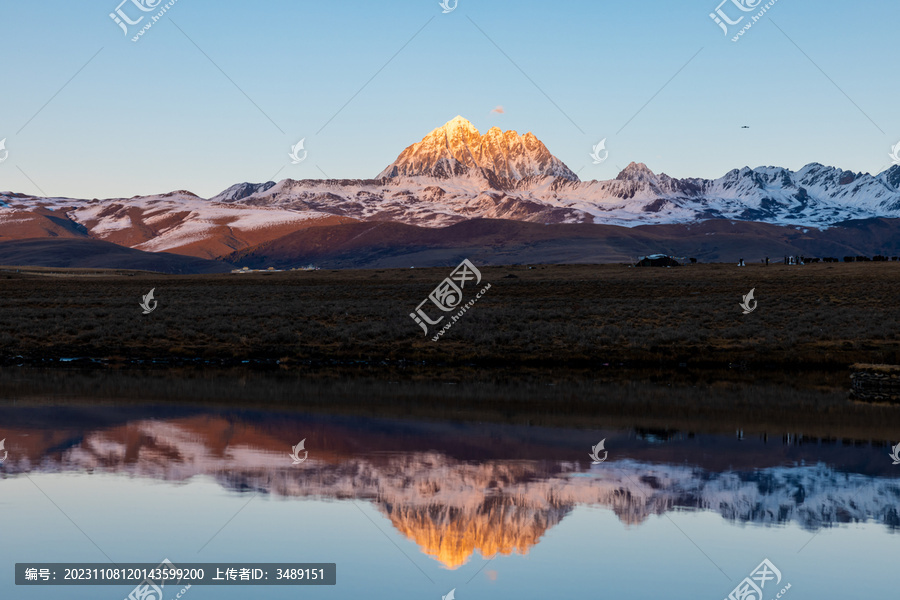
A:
413	488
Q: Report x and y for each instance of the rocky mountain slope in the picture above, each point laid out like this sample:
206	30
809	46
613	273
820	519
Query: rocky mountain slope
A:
495	241
85	253
178	222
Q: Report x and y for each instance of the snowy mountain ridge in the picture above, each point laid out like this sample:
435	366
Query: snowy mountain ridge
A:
815	196
455	174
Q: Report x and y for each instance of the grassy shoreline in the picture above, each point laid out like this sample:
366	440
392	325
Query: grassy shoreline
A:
812	405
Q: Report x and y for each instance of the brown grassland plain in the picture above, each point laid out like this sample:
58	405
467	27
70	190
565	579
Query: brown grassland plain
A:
575	315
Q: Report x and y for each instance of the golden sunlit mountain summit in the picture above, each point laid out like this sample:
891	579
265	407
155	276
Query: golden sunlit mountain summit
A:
458	148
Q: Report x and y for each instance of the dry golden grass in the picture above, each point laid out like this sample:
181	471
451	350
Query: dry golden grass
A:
823	314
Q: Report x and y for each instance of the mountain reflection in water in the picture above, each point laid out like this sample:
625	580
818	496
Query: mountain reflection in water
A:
455	488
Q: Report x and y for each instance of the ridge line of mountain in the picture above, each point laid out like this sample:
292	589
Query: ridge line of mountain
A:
456	174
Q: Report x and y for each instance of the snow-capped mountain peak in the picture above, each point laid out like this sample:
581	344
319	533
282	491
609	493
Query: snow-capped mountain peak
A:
637	172
458	148
457	123
239	191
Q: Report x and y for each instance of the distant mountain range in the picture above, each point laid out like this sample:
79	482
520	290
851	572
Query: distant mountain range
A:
456	174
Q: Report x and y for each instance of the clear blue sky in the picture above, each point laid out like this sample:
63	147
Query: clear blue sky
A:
158	115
